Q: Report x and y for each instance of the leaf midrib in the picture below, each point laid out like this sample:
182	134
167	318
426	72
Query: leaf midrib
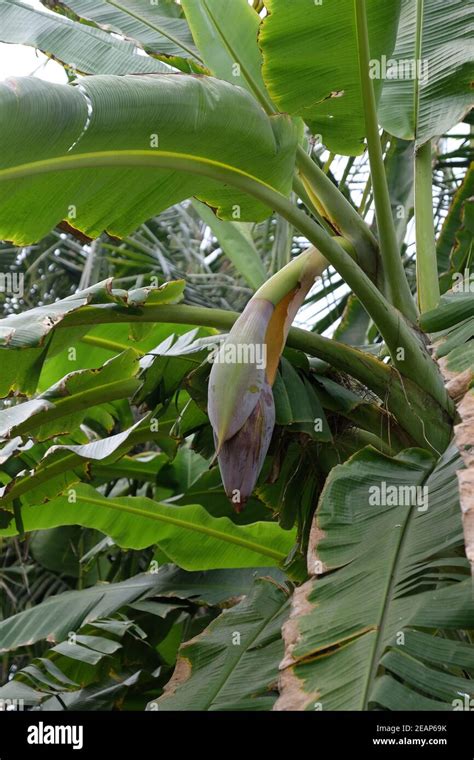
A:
235	665
157	29
83	29
418	49
180	523
256	90
388	598
78	402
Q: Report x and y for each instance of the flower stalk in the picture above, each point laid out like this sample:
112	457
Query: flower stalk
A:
397	288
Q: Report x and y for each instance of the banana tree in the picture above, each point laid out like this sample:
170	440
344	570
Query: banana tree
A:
225	440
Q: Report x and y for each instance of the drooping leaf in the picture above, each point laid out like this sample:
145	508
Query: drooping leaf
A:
28	338
233	664
225	32
32	327
62	465
387	559
187	116
71	398
95	344
56	616
237	244
211	587
298	407
427	87
454	309
93	669
157	27
82	47
188	535
144	467
311	64
165	366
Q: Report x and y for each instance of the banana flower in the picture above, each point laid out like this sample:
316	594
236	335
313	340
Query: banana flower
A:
240	398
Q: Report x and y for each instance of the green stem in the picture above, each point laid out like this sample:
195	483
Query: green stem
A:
415	410
426	262
84	400
340	212
397	288
110	345
288	277
281	249
303	195
407	350
327	164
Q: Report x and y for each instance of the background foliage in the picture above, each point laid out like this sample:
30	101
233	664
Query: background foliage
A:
127	580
